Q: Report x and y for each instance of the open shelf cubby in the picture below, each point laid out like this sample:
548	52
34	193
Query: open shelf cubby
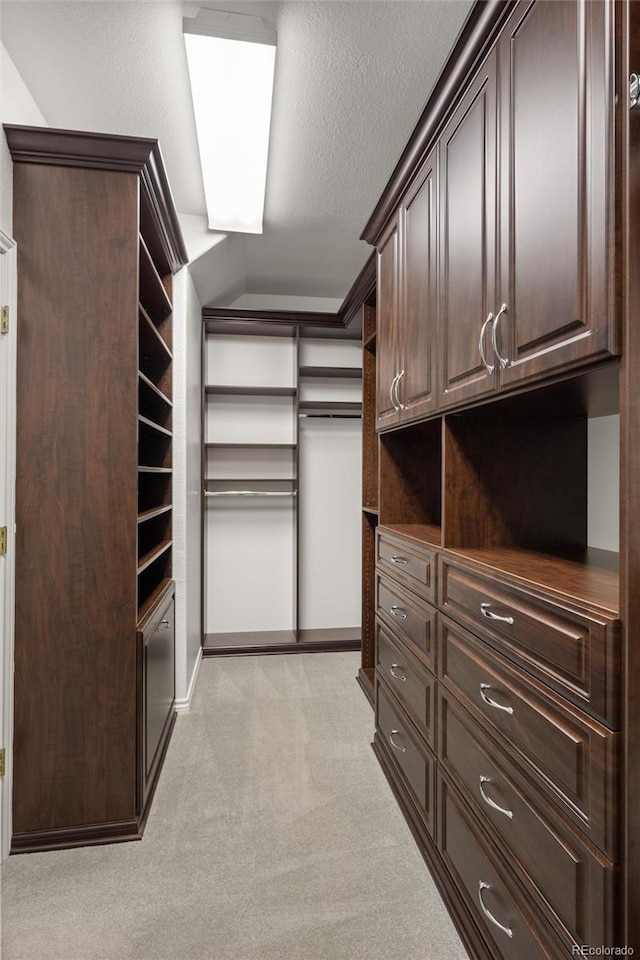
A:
410	470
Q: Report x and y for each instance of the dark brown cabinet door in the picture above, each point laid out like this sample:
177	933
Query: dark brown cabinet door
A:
468	241
418	305
387	405
556	113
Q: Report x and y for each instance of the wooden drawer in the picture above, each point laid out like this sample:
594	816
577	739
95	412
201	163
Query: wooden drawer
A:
408	618
574	650
413	686
574	884
500	910
407	561
571	756
414	761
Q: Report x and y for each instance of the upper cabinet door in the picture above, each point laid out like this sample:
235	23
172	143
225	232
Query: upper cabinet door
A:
468	242
387	372
556	116
418	295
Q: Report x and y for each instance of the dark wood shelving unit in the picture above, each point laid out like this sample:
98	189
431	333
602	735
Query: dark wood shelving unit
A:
101	627
330	373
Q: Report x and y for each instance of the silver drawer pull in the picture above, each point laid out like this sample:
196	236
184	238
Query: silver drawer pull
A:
399	561
485	610
397	746
489	367
490	802
494	337
164	625
490	702
398	612
397	676
487	886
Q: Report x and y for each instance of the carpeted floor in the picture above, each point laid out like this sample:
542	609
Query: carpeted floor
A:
273	836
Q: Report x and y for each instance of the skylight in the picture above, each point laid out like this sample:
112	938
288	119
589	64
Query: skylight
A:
231	60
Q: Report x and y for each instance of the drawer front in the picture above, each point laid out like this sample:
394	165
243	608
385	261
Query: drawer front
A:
159	681
571	756
574	651
486	886
415	762
408	618
576	885
413	686
408	562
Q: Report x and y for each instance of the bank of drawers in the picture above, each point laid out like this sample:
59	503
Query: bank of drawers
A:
518	708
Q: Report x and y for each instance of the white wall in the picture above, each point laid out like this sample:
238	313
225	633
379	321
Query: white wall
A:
16	106
187	345
603	491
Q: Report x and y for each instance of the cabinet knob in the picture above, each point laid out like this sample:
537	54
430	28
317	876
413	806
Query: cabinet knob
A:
397	612
396	676
164	625
494	335
396	746
490	802
490	702
489	367
399	561
481	888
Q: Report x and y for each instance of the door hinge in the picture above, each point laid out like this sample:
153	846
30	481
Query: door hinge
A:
634	90
3	541
2	762
4	320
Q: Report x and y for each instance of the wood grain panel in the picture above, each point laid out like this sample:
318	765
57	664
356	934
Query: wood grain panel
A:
76	497
386	326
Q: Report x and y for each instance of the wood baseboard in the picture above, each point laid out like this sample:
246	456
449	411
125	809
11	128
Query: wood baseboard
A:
63	838
364	678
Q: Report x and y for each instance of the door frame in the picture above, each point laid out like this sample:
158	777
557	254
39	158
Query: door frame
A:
8	297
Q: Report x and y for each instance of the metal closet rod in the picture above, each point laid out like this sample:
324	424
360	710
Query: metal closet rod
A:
249	493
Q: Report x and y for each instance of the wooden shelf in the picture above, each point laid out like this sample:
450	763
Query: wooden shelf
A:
142	469
330	408
229	391
154	512
429	533
333	373
150	336
152	291
151	385
154	426
370	343
372	511
154	597
247	483
592	577
154	555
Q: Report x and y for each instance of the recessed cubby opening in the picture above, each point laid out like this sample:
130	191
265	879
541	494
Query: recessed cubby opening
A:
154	444
154	490
153	531
152	579
411	478
531	485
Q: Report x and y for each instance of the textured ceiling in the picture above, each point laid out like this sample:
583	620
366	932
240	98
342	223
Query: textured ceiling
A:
351	79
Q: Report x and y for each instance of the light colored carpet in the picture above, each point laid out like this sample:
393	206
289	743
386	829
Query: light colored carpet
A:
273	836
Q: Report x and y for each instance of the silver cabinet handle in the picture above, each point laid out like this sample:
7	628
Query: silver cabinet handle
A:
488	366
398	379
487	886
396	746
397	612
164	625
494	334
490	702
394	402
485	610
397	676
399	561
490	802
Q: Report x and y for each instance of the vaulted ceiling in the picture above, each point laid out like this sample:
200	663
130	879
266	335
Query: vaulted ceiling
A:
351	79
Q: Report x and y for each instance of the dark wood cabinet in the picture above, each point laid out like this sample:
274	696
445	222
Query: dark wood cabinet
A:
486	498
98	244
387	336
556	112
468	242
